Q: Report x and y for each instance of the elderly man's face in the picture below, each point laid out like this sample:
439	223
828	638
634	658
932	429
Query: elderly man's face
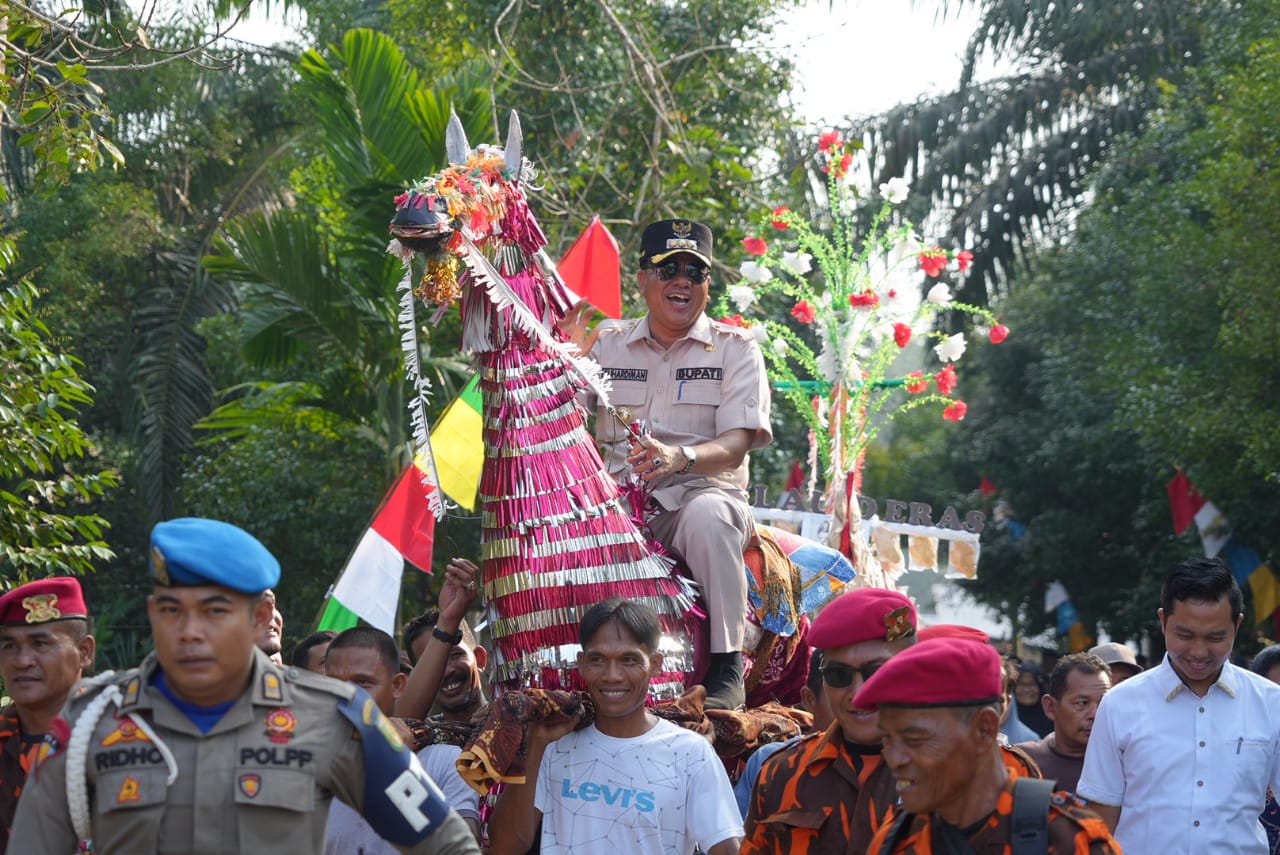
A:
934	754
268	633
40	663
1074	712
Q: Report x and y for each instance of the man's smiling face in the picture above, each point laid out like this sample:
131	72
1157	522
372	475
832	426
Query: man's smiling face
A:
676	304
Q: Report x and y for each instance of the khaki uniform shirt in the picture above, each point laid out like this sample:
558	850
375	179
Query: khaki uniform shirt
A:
259	781
707	383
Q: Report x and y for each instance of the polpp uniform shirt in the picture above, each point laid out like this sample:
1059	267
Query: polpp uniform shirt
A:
709	382
1189	773
260	780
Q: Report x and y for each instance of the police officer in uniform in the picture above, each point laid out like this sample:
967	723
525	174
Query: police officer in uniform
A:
699	386
209	747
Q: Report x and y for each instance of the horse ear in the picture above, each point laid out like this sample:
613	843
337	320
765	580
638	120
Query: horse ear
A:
514	152
456	147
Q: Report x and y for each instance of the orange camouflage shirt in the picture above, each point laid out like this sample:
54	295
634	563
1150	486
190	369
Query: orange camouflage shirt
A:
17	756
1073	830
815	796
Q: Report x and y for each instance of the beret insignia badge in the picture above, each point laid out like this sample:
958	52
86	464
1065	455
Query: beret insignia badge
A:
41	608
897	624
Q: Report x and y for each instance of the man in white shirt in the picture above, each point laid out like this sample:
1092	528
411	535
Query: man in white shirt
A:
1180	756
629	782
370	658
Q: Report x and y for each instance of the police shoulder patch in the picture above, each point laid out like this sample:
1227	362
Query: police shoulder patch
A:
400	799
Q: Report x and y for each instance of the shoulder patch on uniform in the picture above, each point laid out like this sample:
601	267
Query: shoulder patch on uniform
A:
400	799
310	680
271	689
132	690
55	742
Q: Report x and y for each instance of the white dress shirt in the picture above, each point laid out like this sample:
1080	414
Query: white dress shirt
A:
1190	774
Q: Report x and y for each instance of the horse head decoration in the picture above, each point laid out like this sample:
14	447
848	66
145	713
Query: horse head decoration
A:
556	537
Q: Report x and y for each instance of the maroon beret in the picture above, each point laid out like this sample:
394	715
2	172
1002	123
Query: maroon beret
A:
42	601
948	672
862	615
951	630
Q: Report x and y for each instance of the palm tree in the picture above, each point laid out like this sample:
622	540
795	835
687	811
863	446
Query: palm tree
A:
1005	160
317	289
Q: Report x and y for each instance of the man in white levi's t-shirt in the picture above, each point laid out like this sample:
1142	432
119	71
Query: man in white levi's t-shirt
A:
628	782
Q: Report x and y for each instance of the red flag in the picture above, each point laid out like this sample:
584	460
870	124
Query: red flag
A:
987	488
1184	501
795	481
405	520
592	268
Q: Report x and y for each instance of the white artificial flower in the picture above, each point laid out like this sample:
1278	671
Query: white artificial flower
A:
399	250
908	247
755	272
939	294
895	190
950	348
742	296
759	332
780	346
797	263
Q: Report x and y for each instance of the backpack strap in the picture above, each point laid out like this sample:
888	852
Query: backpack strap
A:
1030	819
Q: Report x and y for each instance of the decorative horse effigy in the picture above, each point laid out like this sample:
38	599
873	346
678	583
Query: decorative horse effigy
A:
557	535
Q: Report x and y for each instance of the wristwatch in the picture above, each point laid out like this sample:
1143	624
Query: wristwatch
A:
691	456
446	637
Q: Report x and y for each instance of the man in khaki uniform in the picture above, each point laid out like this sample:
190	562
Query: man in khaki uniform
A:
208	747
700	388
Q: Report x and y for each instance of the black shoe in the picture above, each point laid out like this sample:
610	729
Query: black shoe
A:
724	683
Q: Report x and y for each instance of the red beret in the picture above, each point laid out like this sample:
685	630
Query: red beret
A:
946	672
42	601
862	615
951	630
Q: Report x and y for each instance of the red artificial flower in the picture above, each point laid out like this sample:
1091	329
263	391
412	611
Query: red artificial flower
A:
803	312
755	246
946	379
830	141
919	384
734	320
865	300
955	411
841	169
964	258
998	333
932	261
893	293
901	334
780	224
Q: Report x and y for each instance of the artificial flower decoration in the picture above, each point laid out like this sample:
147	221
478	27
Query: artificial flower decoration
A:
796	263
802	312
733	321
854	284
933	261
779	220
963	259
955	411
946	379
998	333
755	272
939	295
742	296
895	190
951	348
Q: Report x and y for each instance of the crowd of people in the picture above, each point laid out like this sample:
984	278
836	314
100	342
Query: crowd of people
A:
919	739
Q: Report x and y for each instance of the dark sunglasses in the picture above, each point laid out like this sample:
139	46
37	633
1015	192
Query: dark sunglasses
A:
838	675
694	272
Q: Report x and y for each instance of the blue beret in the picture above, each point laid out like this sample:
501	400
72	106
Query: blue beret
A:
195	551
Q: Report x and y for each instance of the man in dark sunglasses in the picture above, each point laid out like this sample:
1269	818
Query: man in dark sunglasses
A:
696	395
829	792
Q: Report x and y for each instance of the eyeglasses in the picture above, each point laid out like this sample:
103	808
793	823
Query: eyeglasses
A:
694	272
838	675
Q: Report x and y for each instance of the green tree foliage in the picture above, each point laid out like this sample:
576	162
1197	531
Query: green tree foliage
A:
43	481
1007	160
1148	340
